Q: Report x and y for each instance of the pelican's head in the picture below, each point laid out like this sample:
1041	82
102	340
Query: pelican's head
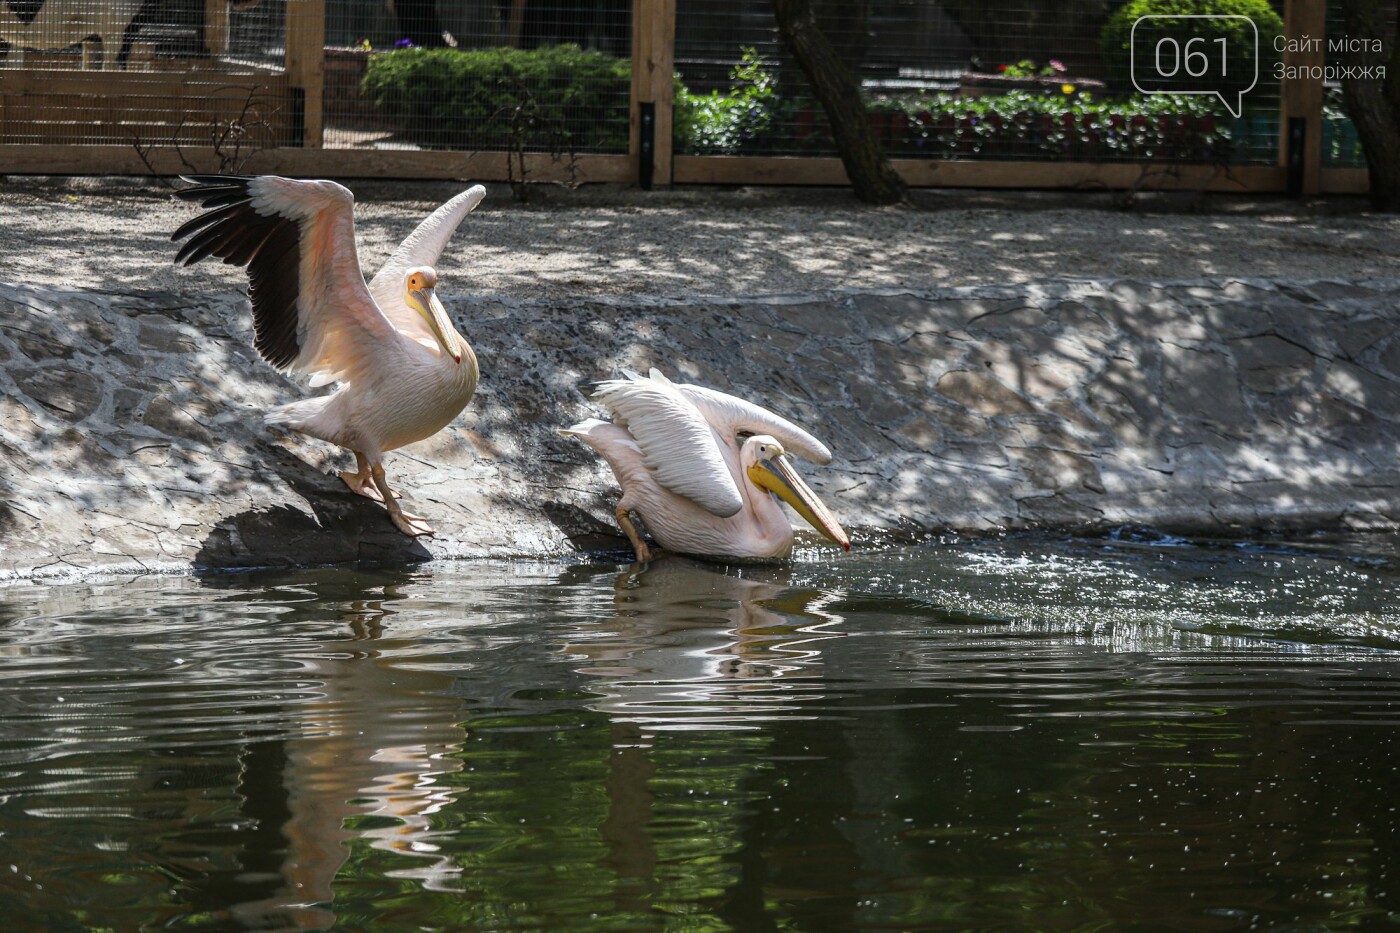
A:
418	295
770	468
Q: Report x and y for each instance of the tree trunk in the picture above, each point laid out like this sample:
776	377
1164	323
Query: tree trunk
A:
874	179
1373	103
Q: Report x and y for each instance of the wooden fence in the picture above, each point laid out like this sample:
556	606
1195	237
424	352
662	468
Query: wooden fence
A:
117	104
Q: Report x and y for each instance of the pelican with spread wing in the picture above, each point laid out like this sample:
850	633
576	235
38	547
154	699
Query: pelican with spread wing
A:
705	470
404	371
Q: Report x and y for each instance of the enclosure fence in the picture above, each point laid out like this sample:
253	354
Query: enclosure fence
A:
960	93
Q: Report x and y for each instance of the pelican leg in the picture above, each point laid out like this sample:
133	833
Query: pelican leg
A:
361	481
409	524
624	520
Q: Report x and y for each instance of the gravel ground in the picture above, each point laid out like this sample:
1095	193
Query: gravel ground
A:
113	235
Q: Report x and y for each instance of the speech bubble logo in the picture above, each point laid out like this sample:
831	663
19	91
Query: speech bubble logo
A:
1180	59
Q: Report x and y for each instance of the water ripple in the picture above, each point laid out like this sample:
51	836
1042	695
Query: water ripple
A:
989	731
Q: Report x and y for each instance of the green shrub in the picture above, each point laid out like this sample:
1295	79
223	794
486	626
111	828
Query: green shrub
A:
751	118
1017	125
1341	144
1116	38
742	118
555	99
1024	125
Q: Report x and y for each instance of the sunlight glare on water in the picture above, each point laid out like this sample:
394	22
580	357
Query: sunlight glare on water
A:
1138	730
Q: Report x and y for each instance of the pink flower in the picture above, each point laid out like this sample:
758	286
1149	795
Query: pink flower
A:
1057	66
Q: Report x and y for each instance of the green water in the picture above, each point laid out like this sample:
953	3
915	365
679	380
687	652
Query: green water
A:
1068	734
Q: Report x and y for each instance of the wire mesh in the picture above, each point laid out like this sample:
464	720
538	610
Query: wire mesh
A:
513	75
1341	144
951	79
148	73
480	75
943	79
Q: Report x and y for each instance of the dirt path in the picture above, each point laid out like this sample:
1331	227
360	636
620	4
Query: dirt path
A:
113	234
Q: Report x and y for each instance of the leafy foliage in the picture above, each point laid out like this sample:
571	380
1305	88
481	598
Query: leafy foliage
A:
1116	38
753	117
1044	126
1341	144
1026	68
1017	125
742	118
556	99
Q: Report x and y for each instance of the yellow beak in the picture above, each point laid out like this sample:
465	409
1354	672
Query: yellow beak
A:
778	476
426	303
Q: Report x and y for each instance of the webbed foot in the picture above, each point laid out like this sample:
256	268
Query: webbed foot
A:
412	525
361	484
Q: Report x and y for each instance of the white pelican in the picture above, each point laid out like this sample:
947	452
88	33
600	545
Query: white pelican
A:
404	371
704	469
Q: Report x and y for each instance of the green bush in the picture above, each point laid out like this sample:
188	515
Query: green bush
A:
742	118
1017	125
1116	38
1024	125
1341	144
555	99
751	118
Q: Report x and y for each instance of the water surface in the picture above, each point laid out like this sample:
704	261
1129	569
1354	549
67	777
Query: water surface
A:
1135	732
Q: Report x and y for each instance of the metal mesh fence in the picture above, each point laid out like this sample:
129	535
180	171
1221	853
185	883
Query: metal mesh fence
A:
1341	146
480	75
514	75
140	36
147	73
953	79
1030	80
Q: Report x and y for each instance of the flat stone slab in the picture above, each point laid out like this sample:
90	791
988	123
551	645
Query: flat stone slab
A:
131	424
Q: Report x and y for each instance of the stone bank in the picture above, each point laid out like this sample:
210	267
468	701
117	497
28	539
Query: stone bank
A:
131	433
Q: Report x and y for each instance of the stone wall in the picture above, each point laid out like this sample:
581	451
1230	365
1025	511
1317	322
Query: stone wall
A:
130	424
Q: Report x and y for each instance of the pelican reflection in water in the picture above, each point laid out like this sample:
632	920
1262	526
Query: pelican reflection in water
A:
379	740
690	644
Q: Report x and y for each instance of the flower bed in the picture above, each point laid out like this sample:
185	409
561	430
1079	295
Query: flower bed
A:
974	84
1057	119
1022	125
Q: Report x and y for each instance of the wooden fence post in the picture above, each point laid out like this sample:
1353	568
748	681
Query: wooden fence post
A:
215	28
1300	98
653	67
306	51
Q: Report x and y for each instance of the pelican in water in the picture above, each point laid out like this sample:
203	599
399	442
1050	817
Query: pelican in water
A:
704	470
404	371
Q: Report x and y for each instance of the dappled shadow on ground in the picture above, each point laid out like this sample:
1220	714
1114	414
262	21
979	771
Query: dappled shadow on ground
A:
708	246
1053	405
606	240
134	422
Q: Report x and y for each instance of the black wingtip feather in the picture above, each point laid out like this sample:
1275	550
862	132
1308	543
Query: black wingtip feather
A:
268	244
213	186
200	221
